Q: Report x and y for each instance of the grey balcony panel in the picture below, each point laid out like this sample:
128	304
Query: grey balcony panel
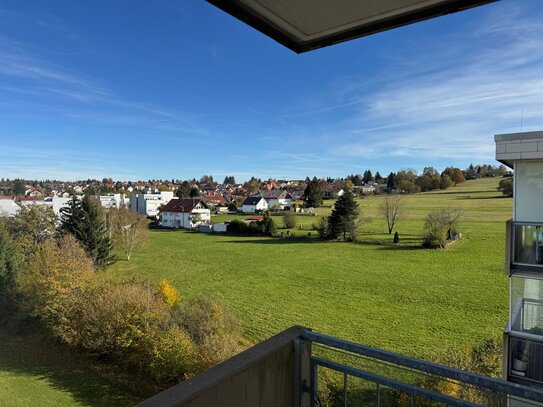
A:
263	376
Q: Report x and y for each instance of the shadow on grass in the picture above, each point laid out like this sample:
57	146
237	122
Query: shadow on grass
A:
277	241
31	354
468	197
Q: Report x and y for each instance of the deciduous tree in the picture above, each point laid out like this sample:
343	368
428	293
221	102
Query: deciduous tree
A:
32	225
391	208
128	230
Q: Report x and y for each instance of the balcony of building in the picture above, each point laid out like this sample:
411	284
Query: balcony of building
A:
296	367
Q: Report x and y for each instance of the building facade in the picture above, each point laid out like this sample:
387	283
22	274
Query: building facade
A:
149	204
523	335
185	213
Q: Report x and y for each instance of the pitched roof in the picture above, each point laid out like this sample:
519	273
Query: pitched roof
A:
183	205
252	200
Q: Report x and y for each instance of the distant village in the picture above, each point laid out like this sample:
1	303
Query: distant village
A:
189	204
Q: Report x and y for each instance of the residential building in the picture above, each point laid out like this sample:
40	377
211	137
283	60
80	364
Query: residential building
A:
56	203
278	199
8	207
185	213
523	336
113	201
254	204
149	204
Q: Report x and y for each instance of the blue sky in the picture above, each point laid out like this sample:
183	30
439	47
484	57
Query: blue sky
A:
178	89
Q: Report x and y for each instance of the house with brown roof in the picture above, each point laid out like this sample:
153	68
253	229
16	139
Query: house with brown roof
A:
185	213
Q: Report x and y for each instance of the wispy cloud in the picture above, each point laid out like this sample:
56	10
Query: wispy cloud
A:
446	107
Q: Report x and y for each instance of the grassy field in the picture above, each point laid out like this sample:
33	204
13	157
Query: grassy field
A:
403	298
34	372
399	297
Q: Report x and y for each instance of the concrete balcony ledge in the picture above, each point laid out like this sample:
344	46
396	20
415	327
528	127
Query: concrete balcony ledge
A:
519	146
263	376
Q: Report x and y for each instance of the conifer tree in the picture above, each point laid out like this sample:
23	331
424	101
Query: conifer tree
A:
342	221
313	194
85	220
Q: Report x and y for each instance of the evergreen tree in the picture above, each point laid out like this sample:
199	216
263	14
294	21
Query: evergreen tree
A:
313	194
391	181
343	217
367	176
19	187
85	220
183	191
194	192
230	180
11	265
378	178
268	225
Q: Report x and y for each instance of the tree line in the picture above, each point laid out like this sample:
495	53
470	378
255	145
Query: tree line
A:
53	275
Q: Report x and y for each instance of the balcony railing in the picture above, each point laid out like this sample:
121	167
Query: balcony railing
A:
527	245
299	368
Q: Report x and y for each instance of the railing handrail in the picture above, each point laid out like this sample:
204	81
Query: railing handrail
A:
486	382
394	384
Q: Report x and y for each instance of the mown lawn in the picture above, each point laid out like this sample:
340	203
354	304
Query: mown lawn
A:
35	372
399	297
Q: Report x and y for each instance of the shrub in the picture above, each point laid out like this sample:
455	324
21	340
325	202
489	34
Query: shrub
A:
11	266
169	293
267	225
32	226
289	220
440	226
57	270
237	227
115	319
506	186
172	355
396	237
213	331
322	227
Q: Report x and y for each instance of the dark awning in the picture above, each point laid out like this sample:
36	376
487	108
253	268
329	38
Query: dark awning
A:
304	25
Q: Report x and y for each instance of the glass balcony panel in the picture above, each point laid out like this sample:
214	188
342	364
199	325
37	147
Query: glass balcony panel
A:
526	305
528	245
526	359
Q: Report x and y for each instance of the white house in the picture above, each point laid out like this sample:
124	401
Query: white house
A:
112	201
149	204
254	204
278	199
185	213
8	208
56	203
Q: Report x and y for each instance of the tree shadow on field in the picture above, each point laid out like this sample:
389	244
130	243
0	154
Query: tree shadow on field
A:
395	246
468	197
277	241
30	354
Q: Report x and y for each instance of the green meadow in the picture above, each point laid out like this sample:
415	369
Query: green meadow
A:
400	297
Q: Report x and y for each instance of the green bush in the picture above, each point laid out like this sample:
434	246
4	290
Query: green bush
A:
237	227
506	186
11	266
440	226
59	269
289	220
115	319
214	332
172	355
